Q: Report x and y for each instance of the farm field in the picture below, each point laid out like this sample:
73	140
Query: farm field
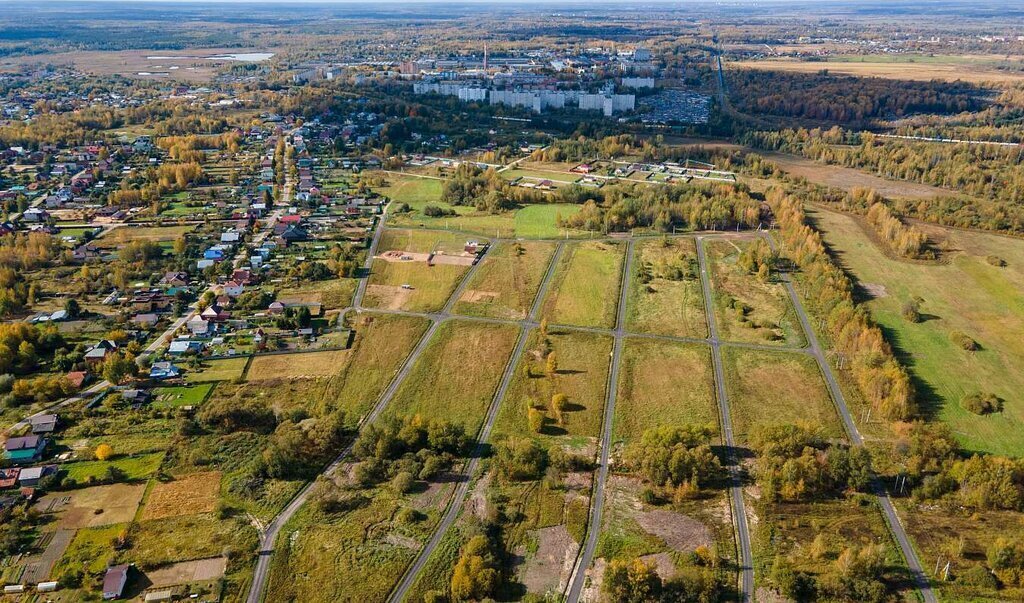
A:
159	234
506	283
664	383
665	296
185	495
457	374
773	388
986	304
296	366
767	316
225	369
910	67
585	287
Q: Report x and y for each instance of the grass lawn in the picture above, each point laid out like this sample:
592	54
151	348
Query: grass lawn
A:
506	284
417	192
664	383
331	294
585	289
583	362
671	302
91	551
457	374
381	345
175	397
134	467
770	318
431	286
772	388
119	236
966	294
540	221
225	369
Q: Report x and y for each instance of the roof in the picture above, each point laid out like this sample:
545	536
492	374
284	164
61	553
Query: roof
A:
22	443
43	423
31	473
114	580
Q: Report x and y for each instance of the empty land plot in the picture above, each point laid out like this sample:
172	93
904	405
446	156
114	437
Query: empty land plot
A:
91	551
507	282
540	221
381	345
664	383
413	190
117	237
330	294
225	369
922	68
585	289
466	218
186	495
420	241
665	295
294	366
198	570
95	506
159	542
968	295
850	178
582	361
748	309
182	395
135	467
455	377
773	388
412	286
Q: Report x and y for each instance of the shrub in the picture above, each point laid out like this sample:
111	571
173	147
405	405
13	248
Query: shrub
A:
963	340
978	576
403	483
912	311
982	403
996	261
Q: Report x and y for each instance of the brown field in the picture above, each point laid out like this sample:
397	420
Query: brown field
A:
119	236
187	495
966	70
190	64
308	364
95	506
198	570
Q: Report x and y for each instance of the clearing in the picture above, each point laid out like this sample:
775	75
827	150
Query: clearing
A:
665	296
186	495
505	285
585	286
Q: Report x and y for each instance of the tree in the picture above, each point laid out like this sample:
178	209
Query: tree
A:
551	365
536	418
72	307
475	576
632	582
119	367
103	452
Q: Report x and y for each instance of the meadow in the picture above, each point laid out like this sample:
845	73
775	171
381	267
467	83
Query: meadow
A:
411	286
671	301
506	283
585	287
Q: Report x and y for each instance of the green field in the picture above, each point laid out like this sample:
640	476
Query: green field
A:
411	286
671	302
90	551
420	241
134	467
664	383
541	221
585	289
965	294
455	377
225	369
769	316
773	388
175	397
506	283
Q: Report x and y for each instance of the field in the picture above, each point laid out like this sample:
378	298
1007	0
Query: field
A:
582	374
771	388
420	241
161	541
186	495
457	374
541	221
90	551
768	317
226	369
671	301
178	396
585	289
506	283
95	506
331	294
191	65
922	68
664	383
964	294
294	366
134	467
382	343
159	234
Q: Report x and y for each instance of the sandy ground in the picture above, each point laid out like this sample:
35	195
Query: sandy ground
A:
198	570
549	569
117	503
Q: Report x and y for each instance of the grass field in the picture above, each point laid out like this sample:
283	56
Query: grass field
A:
582	375
134	467
178	396
770	317
186	495
420	241
922	68
664	383
506	284
415	191
455	377
161	541
672	302
431	286
119	236
381	345
585	289
90	552
966	294
541	221
771	388
293	366
331	294
226	369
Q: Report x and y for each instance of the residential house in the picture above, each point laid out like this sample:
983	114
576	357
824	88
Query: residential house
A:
100	351
199	326
164	370
30	476
43	423
136	397
77	378
184	346
147	319
24	449
114	581
174	279
215	313
293	234
233	288
9	477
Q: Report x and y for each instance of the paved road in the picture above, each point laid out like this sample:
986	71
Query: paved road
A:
884	501
739	513
597	500
462	491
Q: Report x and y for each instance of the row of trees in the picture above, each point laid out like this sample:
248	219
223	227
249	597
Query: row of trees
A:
905	240
795	463
884	383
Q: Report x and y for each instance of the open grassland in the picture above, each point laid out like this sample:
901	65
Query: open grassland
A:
412	286
748	309
907	67
331	294
91	551
134	467
582	361
295	366
670	302
162	541
507	282
773	388
181	395
585	289
413	190
965	294
226	369
466	219
455	377
420	241
664	383
540	221
117	237
186	495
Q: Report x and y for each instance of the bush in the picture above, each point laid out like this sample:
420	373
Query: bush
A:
434	211
403	483
912	311
996	261
521	460
982	404
963	340
978	576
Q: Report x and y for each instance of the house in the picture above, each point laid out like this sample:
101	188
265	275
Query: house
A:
136	397
43	423
276	307
29	476
164	370
100	351
185	346
293	234
84	253
114	581
214	253
77	378
215	313
230	236
9	477
233	288
146	319
174	279
34	214
24	449
242	276
199	326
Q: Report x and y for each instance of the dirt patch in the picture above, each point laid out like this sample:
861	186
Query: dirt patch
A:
475	297
436	492
189	495
662	563
476	503
400	257
199	570
875	290
591	592
403	541
549	569
95	506
38	567
392	297
681	533
454	260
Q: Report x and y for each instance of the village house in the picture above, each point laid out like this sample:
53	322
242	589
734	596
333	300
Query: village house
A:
100	351
43	423
24	449
164	370
114	581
